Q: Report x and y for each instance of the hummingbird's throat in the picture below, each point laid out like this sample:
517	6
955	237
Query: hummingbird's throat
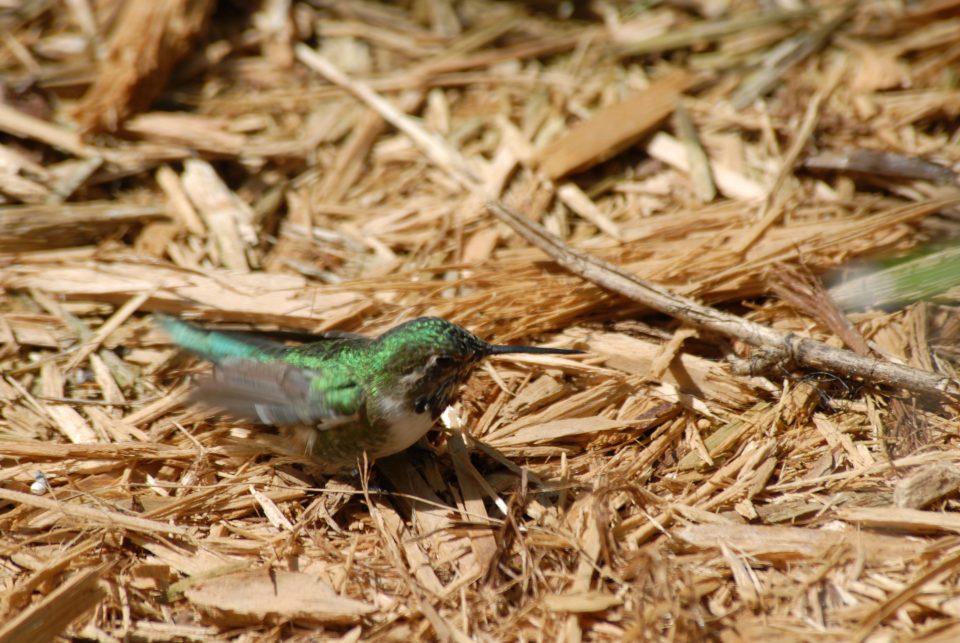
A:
435	395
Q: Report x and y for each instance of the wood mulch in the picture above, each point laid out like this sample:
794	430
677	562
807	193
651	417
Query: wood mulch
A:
743	212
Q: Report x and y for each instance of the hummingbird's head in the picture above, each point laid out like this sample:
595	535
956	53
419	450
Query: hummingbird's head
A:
433	357
433	346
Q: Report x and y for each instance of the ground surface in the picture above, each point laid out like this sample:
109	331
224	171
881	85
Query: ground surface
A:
231	163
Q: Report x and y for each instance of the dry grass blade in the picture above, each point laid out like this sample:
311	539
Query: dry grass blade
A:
885	164
709	30
699	163
806	294
17	123
92	515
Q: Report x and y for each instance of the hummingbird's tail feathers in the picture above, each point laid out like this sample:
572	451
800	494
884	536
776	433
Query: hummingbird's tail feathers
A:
216	345
500	349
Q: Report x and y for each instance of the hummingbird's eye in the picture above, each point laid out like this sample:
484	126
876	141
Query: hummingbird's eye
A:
444	361
420	405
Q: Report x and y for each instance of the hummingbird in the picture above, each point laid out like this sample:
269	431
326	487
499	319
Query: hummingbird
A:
341	394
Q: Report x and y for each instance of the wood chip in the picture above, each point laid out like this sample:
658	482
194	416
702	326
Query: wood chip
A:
274	595
49	618
613	128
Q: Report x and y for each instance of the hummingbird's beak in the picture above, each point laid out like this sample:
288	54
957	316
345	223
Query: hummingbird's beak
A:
500	349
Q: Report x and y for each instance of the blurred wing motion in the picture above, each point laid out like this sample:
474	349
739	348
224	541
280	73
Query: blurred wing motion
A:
252	380
278	393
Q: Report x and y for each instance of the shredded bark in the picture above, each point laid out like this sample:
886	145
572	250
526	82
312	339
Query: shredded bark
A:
744	217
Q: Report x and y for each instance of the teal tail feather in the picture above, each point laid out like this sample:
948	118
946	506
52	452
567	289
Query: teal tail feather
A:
216	346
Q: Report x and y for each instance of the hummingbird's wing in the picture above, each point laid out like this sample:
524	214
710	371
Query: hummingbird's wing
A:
279	393
252	378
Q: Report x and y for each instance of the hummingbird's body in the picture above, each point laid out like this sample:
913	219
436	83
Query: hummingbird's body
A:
344	394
